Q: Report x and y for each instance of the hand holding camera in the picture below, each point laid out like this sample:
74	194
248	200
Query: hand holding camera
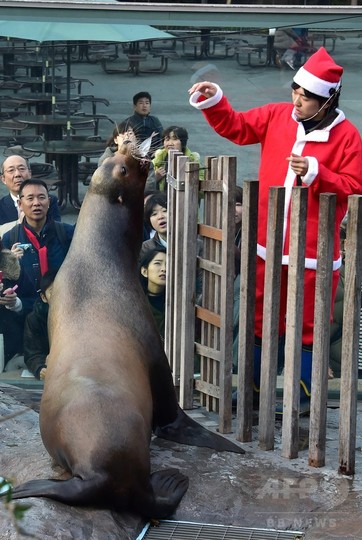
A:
19	249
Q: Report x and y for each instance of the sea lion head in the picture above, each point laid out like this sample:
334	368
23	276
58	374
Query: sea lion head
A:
121	177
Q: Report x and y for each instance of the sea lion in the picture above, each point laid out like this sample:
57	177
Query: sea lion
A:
108	381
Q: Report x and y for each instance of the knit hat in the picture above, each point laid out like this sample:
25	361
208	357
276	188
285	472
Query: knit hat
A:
320	74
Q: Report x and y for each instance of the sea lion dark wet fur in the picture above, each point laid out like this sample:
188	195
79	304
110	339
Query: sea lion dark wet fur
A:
108	383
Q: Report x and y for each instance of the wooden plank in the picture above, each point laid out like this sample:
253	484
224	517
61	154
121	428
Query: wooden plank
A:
170	261
269	356
247	311
226	293
207	388
179	210
212	185
207	351
210	266
321	339
350	338
211	291
210	232
294	323
208	316
188	292
205	326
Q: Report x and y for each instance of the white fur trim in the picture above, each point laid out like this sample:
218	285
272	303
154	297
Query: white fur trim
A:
308	262
313	169
209	102
314	84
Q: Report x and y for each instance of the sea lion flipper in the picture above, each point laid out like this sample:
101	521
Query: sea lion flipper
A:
166	489
74	491
168	486
185	430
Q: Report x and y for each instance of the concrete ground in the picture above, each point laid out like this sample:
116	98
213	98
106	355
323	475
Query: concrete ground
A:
257	490
261	489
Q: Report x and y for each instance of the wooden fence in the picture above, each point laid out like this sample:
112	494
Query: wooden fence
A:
212	314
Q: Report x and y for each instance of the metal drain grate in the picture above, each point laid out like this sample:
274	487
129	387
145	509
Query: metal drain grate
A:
183	530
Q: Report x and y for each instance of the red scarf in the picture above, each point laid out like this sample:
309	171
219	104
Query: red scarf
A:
42	250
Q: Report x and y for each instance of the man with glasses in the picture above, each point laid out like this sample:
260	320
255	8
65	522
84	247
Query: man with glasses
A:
14	170
40	243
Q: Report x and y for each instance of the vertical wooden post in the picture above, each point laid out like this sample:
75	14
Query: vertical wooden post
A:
271	310
170	256
179	209
321	336
294	323
227	290
350	341
188	292
247	311
210	332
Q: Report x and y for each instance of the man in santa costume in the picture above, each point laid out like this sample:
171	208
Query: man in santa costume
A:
306	142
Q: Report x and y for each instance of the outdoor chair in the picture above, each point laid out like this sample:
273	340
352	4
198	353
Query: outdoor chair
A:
75	83
13	103
14	146
46	172
62	107
11	127
93	101
97	118
86	168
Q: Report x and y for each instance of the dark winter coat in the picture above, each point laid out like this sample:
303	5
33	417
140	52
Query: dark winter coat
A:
36	342
30	269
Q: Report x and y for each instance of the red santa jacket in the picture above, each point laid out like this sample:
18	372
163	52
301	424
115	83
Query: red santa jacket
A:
334	154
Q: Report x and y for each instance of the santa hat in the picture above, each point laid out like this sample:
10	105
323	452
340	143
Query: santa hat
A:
320	74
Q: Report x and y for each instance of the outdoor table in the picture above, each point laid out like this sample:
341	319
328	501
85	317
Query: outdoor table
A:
36	83
251	47
43	102
50	126
67	154
36	66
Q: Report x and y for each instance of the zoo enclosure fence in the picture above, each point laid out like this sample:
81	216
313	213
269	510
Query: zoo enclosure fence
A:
213	310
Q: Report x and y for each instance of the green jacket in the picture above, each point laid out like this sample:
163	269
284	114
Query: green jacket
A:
161	160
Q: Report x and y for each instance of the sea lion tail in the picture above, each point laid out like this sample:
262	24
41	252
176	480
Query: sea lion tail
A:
74	491
185	430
